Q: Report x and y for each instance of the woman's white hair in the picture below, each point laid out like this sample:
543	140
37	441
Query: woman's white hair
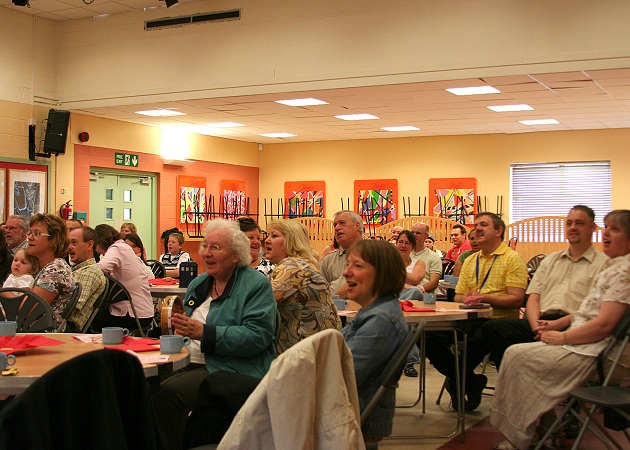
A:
239	241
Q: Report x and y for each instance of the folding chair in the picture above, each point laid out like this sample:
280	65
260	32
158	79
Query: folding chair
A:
97	307
602	396
156	267
447	267
32	313
65	315
533	263
393	370
116	292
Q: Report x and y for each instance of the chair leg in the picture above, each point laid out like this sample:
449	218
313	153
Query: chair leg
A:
439	398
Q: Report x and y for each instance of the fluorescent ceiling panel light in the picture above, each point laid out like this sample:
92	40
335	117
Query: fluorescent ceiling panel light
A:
278	135
302	102
474	90
539	122
160	113
224	125
510	108
357	117
401	128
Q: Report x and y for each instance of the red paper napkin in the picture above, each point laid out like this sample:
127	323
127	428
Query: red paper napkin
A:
162	282
407	306
137	345
10	344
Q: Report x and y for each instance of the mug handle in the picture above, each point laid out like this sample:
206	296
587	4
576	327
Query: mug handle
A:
11	360
186	341
125	332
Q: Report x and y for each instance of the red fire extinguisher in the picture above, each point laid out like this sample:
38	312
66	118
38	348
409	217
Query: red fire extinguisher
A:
66	211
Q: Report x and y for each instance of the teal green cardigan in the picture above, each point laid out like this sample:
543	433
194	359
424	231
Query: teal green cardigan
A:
241	324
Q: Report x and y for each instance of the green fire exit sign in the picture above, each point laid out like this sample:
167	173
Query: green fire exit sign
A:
126	159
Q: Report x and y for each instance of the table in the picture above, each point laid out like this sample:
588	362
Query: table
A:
166	291
447	317
35	362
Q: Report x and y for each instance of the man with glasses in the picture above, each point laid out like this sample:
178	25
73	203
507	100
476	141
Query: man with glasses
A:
16	229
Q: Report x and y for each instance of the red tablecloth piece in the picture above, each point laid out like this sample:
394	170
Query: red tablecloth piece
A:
161	282
10	344
407	306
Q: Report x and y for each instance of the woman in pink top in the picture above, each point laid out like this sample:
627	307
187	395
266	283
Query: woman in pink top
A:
120	262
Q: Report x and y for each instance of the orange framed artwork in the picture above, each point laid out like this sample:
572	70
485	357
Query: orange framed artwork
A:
377	201
453	198
305	198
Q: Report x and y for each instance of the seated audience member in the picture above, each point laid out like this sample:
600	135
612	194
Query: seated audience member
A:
375	274
230	313
73	224
6	258
175	255
460	244
23	268
121	263
252	231
126	228
134	241
562	360
415	268
303	296
86	272
557	289
430	244
393	238
431	260
457	268
496	275
16	231
48	243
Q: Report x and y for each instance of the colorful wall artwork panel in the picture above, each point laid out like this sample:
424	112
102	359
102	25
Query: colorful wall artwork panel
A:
305	198
192	199
377	200
234	200
453	198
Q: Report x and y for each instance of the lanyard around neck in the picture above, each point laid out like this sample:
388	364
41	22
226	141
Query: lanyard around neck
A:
487	273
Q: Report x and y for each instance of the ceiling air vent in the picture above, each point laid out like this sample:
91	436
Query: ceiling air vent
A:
223	16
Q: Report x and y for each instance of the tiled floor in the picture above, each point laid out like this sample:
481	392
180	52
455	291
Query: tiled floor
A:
437	420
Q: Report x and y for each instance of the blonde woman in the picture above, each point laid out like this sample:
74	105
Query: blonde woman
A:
303	295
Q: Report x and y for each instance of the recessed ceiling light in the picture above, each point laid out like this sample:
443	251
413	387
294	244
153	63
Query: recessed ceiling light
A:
510	108
224	124
474	90
302	102
278	135
401	128
160	113
357	117
539	122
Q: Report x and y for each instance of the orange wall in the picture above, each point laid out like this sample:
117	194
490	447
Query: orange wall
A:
87	158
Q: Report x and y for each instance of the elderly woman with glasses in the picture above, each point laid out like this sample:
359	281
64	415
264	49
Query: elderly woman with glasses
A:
48	243
231	318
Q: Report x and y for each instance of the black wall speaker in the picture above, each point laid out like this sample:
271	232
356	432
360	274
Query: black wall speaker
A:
31	142
56	132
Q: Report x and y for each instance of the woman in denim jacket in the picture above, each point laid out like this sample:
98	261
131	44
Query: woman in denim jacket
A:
375	274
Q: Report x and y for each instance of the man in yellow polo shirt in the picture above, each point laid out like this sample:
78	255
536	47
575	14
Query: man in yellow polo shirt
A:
496	275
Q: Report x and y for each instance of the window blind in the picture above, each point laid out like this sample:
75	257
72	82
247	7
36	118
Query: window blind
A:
552	189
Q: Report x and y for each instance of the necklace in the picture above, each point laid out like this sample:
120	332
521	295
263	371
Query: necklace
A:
214	285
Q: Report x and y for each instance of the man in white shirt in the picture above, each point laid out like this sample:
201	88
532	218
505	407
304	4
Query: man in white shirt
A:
348	230
431	259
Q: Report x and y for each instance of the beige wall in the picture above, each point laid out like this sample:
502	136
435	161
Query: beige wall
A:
412	161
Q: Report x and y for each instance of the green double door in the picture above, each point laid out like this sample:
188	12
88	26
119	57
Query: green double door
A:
116	198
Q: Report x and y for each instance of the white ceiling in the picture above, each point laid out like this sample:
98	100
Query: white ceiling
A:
580	100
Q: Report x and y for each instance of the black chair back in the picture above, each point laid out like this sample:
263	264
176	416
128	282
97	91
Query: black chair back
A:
97	307
157	268
67	312
32	313
117	292
447	266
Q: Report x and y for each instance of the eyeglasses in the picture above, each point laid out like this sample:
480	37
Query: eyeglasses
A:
11	228
37	233
213	248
